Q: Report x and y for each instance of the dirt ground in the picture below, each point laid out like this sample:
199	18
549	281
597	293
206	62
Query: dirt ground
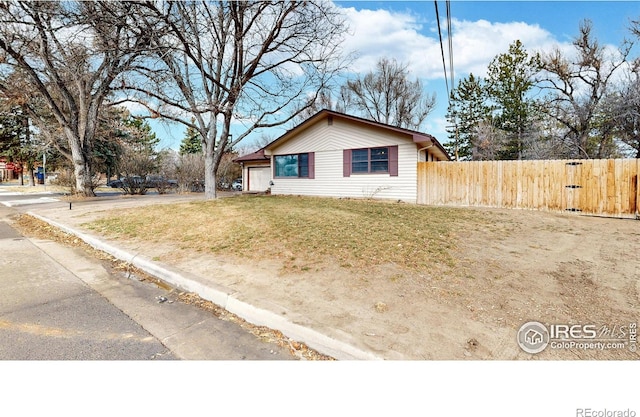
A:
520	266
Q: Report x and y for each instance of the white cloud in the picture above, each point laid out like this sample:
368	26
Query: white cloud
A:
410	39
400	35
475	44
380	33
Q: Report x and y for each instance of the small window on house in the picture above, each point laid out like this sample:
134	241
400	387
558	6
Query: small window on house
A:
294	166
368	161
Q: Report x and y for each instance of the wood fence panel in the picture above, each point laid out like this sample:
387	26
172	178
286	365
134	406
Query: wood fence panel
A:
608	187
637	185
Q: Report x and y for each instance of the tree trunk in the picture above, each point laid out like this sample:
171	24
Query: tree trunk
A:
210	167
82	170
32	176
81	165
21	173
209	177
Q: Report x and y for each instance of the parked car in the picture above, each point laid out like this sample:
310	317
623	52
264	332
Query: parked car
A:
124	181
155	181
151	181
237	185
115	183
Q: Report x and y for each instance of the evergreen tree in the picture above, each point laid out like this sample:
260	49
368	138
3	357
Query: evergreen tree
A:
192	142
509	79
138	134
467	110
11	128
16	141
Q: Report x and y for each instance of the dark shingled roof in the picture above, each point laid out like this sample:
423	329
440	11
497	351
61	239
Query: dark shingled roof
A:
256	156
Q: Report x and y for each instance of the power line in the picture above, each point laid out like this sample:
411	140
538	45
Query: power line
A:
450	38
451	73
444	66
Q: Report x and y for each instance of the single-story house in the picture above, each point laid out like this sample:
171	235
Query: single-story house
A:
333	154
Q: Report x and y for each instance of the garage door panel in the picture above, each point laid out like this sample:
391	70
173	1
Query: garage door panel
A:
259	178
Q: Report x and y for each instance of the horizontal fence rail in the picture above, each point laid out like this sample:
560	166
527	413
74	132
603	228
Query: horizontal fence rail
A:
607	187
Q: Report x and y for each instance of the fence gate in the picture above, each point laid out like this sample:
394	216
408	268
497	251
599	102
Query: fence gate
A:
573	186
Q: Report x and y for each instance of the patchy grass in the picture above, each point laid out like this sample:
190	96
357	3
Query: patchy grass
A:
302	232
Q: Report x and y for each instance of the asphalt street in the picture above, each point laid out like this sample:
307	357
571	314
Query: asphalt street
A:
58	303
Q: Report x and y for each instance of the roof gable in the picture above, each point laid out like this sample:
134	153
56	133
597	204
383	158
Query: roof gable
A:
421	139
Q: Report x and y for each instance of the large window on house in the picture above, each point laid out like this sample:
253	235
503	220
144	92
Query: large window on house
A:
380	160
294	166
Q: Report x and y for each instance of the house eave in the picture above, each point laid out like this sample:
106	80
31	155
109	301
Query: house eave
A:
431	143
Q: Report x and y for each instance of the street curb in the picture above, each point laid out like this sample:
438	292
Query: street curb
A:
312	338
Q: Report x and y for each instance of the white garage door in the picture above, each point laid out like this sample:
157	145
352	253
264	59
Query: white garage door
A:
259	178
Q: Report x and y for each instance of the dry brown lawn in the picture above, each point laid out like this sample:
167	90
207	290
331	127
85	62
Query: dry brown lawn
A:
304	233
401	280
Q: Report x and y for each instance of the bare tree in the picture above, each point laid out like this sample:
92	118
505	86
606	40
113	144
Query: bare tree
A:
228	170
135	165
189	171
577	88
323	101
388	96
625	104
487	141
253	64
541	140
71	52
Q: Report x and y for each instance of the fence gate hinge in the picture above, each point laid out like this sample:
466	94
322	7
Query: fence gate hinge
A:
573	186
574	163
573	209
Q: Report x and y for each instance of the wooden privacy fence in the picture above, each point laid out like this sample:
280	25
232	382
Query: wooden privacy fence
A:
591	186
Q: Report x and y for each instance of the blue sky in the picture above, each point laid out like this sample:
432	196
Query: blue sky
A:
407	31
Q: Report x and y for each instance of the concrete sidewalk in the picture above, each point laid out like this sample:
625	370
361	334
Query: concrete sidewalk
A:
294	325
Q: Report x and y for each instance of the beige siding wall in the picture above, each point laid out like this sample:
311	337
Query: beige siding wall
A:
341	135
328	143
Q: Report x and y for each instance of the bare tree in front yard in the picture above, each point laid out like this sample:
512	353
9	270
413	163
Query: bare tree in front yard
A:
136	165
189	171
253	64
70	52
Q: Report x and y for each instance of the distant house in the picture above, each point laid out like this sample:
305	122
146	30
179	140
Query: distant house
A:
337	155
